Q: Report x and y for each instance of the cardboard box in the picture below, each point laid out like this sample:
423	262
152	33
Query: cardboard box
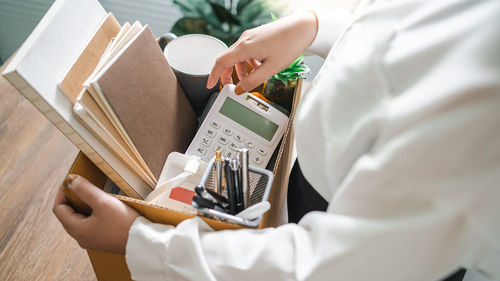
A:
113	267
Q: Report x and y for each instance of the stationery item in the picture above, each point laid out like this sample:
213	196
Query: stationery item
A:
43	61
237	185
231	195
218	172
86	62
255	211
192	57
178	171
203	193
243	160
236	121
177	182
204	203
260	184
181	194
140	89
218	197
92	116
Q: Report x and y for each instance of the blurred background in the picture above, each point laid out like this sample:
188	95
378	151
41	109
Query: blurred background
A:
225	19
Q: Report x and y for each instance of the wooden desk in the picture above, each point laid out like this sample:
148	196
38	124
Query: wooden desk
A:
34	159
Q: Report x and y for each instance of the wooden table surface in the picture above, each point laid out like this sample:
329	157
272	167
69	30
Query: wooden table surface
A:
34	159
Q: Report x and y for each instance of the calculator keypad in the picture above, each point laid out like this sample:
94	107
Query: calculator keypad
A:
201	150
206	141
238	138
228	141
223	140
261	151
215	124
249	144
211	133
234	146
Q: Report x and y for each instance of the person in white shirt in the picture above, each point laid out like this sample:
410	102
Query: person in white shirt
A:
399	132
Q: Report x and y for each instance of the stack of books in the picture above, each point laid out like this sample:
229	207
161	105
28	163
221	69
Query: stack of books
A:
108	88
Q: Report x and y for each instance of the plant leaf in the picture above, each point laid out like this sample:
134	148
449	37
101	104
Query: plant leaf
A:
273	17
187	8
241	5
223	15
188	26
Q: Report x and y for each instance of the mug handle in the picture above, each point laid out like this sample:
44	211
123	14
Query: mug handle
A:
165	39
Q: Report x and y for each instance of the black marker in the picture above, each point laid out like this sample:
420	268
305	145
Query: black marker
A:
237	185
231	196
203	203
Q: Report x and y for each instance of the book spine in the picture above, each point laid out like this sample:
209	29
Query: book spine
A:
27	91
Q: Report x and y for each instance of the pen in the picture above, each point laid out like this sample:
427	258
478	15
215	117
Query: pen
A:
231	196
218	172
237	185
205	194
243	158
203	203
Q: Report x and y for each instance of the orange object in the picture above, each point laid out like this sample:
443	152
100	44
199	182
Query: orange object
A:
182	194
261	96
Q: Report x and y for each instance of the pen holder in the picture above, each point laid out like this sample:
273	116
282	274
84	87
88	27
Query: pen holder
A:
260	182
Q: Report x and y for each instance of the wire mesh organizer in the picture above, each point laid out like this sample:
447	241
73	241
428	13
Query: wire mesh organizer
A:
260	182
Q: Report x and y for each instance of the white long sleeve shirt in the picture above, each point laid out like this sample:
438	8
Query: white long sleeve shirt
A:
400	132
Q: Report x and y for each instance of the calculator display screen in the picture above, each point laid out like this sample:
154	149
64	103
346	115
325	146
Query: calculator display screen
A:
248	119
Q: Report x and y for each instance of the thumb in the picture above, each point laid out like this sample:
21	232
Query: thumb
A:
86	191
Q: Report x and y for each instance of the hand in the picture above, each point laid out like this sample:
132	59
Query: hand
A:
268	49
106	229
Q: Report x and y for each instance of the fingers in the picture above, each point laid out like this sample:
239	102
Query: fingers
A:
226	77
254	63
241	70
87	192
60	198
254	78
70	219
225	61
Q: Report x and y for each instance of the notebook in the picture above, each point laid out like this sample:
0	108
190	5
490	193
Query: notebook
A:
142	91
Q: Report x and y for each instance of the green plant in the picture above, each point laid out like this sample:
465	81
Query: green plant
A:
280	87
222	19
294	71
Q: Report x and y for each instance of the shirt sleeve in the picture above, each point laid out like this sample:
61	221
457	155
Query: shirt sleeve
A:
331	24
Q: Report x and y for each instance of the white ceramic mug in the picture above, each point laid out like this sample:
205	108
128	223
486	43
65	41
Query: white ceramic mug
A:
192	57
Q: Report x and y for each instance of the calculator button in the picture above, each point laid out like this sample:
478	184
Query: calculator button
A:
238	138
229	154
211	133
201	151
227	132
261	151
215	124
257	159
218	147
223	140
249	144
206	141
234	146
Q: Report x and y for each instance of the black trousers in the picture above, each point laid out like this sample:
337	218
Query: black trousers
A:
302	199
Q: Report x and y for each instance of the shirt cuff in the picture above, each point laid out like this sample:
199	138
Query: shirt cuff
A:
146	242
330	25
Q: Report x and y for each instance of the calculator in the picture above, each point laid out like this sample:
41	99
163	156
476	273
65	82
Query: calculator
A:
236	121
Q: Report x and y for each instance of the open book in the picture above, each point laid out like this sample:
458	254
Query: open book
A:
108	88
